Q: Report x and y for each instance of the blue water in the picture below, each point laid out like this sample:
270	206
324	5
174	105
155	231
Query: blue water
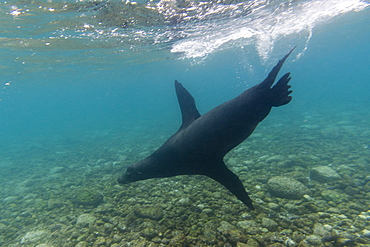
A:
92	93
331	76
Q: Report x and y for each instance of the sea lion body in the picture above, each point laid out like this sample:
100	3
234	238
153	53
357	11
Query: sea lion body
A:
200	144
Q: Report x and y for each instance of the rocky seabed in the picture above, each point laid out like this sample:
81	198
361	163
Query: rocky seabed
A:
311	191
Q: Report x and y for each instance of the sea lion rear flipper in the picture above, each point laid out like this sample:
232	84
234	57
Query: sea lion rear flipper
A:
267	83
227	178
188	108
280	91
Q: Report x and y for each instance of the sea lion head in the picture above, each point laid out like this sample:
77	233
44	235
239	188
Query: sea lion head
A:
137	171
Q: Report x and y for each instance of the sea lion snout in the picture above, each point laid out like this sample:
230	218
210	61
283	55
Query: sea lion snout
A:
123	179
133	173
126	178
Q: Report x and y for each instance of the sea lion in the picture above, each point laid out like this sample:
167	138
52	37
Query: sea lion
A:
200	144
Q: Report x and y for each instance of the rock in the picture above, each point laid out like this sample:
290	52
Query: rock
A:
149	232
330	238
210	232
100	241
321	230
3	228
364	215
236	236
252	243
10	199
78	236
273	206
314	240
297	236
208	211
85	220
56	170
117	238
105	208
303	243
30	196
225	227
44	245
87	198
365	233
333	210
34	236
81	244
246	224
290	243
184	201
56	227
150	212
249	226
285	187
269	224
119	223
108	228
308	198
324	174
239	244
275	158
249	162
351	191
342	241
358	206
100	162
246	216
335	196
286	232
55	203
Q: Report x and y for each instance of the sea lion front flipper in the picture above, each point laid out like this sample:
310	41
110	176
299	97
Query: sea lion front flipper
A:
227	178
188	108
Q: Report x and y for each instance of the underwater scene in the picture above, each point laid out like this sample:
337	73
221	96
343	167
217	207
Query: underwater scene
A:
87	90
